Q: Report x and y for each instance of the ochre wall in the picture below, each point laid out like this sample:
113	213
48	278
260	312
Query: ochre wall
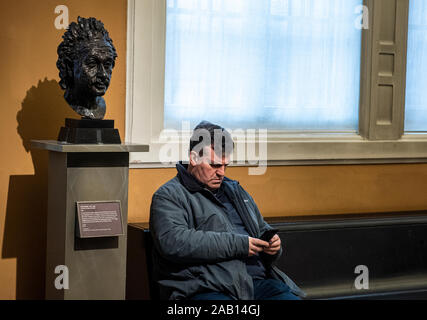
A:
309	190
33	108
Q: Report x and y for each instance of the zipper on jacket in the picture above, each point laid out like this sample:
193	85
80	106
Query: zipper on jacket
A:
243	212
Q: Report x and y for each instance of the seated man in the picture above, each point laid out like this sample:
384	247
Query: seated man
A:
206	230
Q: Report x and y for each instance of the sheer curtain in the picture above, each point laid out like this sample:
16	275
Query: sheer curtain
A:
416	83
275	64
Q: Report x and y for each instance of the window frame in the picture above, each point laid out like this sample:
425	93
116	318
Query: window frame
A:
377	141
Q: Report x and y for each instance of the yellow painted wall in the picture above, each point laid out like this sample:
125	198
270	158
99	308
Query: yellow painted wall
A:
311	190
32	107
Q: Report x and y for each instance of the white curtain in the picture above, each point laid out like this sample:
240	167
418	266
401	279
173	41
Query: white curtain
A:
275	64
416	83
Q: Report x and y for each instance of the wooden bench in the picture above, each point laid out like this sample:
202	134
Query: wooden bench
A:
321	254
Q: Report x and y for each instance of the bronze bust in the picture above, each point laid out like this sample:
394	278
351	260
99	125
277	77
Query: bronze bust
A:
86	58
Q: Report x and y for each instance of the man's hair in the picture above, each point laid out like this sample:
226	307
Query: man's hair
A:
208	134
84	31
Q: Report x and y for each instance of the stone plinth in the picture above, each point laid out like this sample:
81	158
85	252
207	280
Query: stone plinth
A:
96	266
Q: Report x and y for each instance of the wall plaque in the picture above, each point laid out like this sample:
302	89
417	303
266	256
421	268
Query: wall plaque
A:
99	219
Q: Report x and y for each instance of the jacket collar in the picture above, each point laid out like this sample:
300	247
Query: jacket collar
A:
191	182
187	179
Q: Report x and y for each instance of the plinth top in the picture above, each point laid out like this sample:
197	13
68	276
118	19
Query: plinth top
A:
56	146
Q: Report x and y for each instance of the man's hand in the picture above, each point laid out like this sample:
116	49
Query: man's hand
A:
274	245
256	246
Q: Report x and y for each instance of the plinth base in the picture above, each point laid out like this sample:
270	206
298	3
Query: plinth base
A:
88	131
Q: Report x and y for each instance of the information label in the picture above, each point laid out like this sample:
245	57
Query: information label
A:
99	219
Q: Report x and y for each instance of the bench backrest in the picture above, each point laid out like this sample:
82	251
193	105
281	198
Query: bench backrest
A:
322	254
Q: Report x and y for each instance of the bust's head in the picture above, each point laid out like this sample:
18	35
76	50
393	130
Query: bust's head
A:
86	59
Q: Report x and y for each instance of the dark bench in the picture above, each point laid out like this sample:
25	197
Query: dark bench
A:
322	252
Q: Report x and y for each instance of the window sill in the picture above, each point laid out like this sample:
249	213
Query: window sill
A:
318	149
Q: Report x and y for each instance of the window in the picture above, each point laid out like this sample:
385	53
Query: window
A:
416	83
328	91
276	64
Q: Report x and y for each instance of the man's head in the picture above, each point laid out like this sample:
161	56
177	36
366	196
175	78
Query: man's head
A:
86	59
210	150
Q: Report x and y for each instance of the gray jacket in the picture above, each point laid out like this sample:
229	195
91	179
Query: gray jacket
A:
195	249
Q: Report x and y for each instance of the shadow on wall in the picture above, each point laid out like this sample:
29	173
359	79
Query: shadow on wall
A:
43	113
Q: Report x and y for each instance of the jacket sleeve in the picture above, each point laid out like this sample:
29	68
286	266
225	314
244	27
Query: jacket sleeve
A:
263	226
177	242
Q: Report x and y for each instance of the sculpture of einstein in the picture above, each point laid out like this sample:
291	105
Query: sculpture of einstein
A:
86	58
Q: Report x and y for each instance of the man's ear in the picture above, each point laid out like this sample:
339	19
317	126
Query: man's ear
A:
194	158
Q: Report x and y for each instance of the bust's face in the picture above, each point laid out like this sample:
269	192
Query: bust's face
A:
93	69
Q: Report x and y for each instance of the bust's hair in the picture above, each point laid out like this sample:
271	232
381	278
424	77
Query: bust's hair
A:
85	30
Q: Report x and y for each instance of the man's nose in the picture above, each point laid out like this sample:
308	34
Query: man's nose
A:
221	171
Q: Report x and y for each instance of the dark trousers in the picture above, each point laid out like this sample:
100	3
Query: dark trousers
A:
266	289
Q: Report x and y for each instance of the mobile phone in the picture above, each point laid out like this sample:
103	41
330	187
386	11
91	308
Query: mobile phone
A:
267	235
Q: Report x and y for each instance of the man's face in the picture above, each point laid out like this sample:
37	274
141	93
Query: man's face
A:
209	169
92	72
